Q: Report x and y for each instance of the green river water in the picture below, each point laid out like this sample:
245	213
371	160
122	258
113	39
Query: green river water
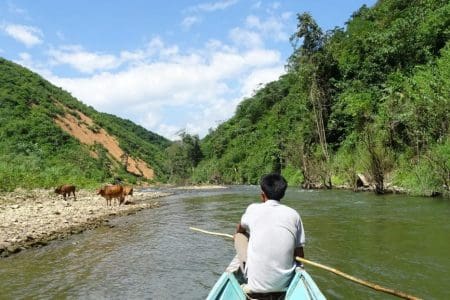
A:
397	241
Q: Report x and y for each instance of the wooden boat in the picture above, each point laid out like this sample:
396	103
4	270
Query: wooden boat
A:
228	287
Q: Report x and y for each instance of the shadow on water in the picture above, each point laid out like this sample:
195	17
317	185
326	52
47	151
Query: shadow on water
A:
397	241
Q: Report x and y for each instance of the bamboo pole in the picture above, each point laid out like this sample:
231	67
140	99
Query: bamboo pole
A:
333	270
212	233
359	281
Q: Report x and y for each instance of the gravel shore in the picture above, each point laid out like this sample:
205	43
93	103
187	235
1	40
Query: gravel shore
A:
32	218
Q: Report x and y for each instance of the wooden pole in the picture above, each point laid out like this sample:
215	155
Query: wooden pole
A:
333	270
359	281
212	233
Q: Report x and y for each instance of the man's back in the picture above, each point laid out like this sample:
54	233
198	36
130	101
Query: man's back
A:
275	231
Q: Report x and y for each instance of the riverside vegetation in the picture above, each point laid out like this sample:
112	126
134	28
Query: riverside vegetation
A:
370	98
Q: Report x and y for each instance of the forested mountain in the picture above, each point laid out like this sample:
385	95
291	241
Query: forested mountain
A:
47	137
370	98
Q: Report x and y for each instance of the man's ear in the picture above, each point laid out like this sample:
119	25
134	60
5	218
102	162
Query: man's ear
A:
263	197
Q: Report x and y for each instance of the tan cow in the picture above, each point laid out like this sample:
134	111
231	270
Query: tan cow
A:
66	189
127	190
112	192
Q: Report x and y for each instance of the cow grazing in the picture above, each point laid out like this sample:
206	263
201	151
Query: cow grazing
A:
66	189
112	192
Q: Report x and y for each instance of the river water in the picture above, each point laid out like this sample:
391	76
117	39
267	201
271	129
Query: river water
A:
396	241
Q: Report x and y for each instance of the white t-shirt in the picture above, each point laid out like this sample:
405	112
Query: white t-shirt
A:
275	231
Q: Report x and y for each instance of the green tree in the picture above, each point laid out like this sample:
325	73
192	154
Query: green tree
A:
183	156
313	64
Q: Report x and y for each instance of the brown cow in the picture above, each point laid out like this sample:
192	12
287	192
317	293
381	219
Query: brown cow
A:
112	192
127	190
66	189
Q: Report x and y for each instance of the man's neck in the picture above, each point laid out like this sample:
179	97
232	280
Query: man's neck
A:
264	198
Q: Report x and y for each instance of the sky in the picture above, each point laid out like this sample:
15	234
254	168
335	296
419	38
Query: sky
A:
169	66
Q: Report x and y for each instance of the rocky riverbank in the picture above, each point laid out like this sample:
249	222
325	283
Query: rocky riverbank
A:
31	218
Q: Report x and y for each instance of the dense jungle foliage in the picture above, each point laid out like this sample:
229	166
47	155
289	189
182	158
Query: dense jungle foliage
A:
35	152
370	98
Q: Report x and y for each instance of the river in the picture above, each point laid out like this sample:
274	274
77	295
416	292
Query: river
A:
396	241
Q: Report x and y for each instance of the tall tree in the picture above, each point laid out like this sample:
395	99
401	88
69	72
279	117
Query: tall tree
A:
184	156
309	60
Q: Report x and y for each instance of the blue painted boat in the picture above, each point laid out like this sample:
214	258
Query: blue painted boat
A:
302	287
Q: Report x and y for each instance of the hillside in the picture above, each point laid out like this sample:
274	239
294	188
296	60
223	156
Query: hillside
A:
373	98
47	137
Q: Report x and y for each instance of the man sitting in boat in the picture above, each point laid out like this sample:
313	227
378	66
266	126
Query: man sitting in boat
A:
268	238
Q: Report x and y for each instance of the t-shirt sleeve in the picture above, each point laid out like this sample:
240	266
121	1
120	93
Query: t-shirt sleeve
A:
300	237
245	219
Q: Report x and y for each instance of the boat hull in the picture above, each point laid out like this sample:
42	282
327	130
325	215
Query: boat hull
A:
302	287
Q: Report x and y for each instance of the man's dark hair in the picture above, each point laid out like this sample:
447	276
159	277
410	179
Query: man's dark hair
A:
274	186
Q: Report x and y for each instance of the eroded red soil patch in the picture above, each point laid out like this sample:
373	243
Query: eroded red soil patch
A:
85	131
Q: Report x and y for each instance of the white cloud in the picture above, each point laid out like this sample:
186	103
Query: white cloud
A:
262	57
83	61
88	62
211	115
275	5
256	31
259	78
245	38
169	131
12	8
272	27
213	6
25	57
189	21
28	35
151	118
286	15
206	7
134	56
174	91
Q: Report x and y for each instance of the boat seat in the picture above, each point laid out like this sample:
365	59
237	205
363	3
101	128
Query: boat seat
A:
267	296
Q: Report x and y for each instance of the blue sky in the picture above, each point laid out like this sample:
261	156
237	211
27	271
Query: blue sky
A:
166	65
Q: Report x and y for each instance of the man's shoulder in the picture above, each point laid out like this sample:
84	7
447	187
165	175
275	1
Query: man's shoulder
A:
253	206
290	210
